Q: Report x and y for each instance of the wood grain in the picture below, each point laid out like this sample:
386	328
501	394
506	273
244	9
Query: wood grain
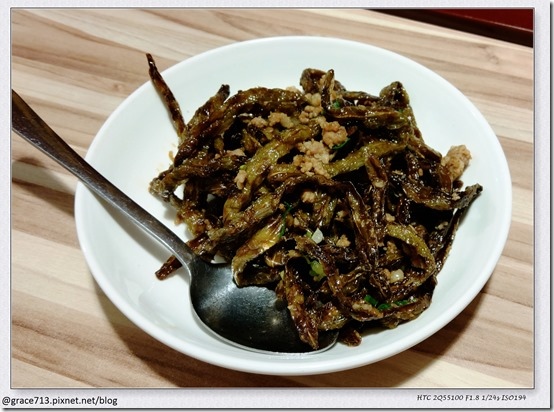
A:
74	66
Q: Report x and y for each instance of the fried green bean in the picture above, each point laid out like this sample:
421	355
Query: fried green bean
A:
327	195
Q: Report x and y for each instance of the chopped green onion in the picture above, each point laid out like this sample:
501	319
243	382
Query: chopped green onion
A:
317	236
284	217
405	302
340	145
316	269
384	306
371	300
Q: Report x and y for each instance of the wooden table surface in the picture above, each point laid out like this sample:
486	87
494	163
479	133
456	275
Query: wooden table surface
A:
75	66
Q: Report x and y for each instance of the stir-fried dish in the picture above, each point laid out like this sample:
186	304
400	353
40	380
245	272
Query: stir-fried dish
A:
329	196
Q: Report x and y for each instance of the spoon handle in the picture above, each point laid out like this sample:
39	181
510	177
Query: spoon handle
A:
32	128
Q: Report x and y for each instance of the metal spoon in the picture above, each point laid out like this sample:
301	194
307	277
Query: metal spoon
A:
250	317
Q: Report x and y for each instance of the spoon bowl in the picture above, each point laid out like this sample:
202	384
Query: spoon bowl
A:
251	317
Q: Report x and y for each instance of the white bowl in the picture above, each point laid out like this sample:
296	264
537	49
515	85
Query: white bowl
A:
133	145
